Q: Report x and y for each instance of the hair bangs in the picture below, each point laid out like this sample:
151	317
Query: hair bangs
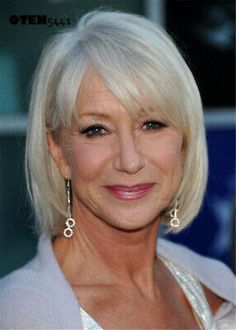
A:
153	89
68	89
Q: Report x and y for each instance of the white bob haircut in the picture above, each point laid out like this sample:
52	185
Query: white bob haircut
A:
140	64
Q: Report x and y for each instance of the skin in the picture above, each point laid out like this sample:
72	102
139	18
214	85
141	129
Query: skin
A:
111	261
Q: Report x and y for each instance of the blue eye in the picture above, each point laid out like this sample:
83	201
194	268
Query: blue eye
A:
153	125
93	131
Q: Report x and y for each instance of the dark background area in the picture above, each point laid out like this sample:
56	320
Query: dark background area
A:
205	30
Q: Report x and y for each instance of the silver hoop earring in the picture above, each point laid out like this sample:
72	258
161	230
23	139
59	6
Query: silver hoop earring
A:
174	221
70	222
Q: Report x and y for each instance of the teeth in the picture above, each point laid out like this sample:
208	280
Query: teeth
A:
129	192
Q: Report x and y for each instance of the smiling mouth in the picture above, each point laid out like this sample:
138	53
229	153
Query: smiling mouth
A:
130	192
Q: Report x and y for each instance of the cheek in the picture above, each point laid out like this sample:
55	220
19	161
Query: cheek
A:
174	162
86	162
169	156
174	155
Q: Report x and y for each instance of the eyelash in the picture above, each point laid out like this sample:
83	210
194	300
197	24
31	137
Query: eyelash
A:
96	130
93	131
157	125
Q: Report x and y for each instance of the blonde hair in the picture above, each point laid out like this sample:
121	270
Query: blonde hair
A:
140	64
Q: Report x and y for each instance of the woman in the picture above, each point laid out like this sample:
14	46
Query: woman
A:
115	116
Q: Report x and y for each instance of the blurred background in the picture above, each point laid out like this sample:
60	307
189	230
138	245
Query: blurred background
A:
203	30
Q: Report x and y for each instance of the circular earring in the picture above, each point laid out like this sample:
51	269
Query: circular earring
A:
70	222
174	221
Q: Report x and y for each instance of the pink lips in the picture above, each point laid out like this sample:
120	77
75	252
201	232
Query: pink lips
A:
130	192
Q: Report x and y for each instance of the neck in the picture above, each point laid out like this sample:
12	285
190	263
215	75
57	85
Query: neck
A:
120	256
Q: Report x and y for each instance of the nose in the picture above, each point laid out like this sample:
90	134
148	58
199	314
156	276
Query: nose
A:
128	158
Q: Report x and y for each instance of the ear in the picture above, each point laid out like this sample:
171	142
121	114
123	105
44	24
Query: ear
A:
58	155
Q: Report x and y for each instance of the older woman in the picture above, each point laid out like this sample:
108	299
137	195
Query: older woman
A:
115	147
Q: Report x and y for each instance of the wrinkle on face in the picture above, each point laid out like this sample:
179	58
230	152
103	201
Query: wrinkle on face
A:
100	161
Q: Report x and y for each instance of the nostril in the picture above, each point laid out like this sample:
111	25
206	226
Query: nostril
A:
129	159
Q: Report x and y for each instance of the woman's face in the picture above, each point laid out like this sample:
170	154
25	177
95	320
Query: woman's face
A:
124	170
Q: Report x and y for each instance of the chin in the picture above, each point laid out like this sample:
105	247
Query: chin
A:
131	225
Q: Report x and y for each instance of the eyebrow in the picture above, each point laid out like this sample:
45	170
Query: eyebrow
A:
94	114
102	115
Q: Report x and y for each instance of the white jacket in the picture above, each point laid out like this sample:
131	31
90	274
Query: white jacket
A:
37	296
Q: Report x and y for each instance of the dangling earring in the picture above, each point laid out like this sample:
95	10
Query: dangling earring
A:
174	221
70	222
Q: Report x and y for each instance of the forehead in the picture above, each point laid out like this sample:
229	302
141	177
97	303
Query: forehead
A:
94	96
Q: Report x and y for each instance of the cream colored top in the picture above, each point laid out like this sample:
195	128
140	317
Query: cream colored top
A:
38	296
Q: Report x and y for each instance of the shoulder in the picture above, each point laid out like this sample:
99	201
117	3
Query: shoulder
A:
35	277
24	302
30	276
218	281
212	273
37	296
